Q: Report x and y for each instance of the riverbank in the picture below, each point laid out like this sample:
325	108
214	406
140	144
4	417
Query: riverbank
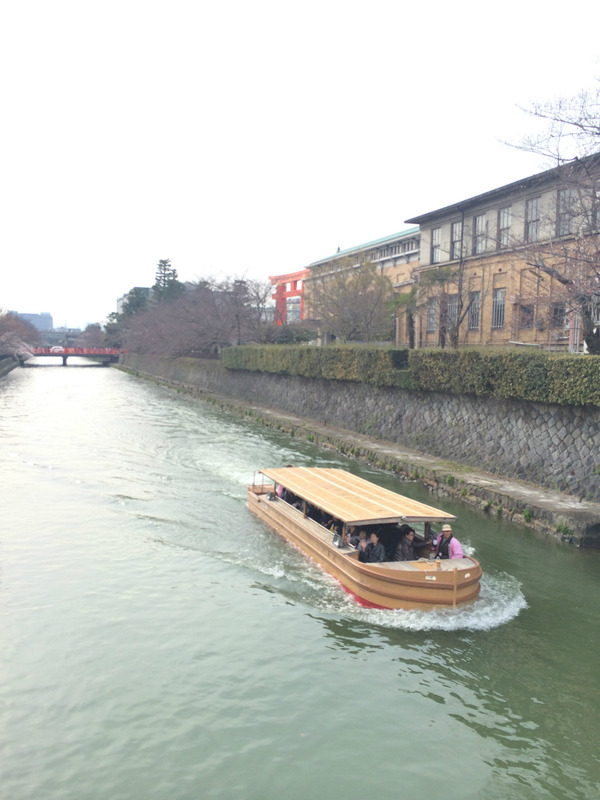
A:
551	513
7	364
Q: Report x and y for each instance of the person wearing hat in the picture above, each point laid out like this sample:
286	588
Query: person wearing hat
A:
447	546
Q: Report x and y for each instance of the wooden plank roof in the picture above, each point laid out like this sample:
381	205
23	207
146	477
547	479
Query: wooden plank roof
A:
351	499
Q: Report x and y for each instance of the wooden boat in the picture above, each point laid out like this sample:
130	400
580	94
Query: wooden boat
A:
317	493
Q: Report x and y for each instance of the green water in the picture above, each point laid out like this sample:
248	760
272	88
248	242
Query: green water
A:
159	642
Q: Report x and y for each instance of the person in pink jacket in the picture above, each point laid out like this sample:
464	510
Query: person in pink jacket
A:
447	546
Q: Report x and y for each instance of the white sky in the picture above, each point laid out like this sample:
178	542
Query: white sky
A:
252	138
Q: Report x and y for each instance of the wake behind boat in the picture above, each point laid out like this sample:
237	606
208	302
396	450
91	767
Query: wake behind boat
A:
317	495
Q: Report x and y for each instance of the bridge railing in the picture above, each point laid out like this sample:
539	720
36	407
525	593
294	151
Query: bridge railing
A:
76	351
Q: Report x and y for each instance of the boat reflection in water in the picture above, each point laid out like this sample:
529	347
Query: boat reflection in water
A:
314	495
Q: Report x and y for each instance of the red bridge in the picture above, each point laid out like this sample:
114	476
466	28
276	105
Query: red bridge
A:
107	355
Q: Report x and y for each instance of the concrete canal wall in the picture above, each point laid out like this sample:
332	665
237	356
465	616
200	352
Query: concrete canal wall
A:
550	446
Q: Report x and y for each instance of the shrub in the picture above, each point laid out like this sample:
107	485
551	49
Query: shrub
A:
534	377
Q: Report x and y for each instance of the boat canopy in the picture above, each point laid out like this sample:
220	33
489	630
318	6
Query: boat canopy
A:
351	499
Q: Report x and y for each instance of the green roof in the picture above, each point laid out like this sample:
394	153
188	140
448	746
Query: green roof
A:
367	245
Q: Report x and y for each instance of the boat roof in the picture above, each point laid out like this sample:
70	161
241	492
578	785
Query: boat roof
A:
351	499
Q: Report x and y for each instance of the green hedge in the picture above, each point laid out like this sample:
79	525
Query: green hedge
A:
560	379
565	380
381	367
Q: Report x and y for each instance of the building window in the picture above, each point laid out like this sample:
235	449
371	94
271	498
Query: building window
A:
558	315
451	310
525	317
474	306
504	216
456	241
478	234
532	219
564	212
498	308
292	309
436	245
432	308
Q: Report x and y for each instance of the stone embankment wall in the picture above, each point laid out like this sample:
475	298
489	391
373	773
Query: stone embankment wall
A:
7	364
553	446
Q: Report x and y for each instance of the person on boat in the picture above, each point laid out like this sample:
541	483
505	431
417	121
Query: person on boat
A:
353	536
406	549
447	545
374	552
361	540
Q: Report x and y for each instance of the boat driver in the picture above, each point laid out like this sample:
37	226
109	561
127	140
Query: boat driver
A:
447	545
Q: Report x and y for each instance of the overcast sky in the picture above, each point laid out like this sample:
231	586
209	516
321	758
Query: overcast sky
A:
252	138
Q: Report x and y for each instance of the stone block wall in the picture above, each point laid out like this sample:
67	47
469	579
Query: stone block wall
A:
554	446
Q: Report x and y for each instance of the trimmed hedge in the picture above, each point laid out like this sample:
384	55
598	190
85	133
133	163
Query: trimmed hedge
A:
380	367
535	377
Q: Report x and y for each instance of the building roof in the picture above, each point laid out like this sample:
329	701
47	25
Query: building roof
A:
367	245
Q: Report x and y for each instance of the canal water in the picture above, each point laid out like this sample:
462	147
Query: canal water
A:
157	641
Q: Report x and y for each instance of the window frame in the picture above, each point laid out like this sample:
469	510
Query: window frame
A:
436	245
558	316
474	314
504	225
431	316
565	201
532	223
456	238
498	308
526	316
451	310
478	236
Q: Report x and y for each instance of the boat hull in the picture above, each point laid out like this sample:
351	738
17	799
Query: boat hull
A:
407	585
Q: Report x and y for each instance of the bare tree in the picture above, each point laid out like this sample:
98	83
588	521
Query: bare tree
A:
571	127
92	336
565	255
209	315
16	335
352	304
260	302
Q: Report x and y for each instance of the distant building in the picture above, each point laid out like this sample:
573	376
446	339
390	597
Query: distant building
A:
390	255
394	256
121	300
289	296
66	337
41	322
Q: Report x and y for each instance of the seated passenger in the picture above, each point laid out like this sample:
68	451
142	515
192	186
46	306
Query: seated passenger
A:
447	546
362	541
352	536
374	552
405	549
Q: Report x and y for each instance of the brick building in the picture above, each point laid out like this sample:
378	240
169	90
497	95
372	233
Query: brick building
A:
505	267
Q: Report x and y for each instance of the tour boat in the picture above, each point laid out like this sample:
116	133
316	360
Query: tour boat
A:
318	496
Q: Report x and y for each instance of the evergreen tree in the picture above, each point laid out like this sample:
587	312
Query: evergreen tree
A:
166	286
